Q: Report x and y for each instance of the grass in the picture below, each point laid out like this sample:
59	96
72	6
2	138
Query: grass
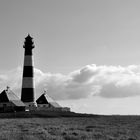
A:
72	128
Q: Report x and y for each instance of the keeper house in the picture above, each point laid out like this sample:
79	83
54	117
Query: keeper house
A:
9	102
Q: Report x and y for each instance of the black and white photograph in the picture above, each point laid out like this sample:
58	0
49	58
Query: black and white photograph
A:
69	70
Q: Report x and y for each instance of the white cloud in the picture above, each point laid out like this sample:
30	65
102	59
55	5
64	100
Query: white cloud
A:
91	80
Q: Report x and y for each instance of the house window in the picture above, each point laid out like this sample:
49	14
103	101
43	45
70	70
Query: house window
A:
4	105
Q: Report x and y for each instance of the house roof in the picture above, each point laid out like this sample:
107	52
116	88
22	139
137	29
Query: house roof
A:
8	95
11	95
46	99
54	104
51	101
42	100
18	103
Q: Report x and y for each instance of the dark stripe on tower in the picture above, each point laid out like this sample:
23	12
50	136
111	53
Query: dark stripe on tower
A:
27	95
28	71
28	52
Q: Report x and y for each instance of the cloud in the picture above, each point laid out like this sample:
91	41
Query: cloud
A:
114	81
91	80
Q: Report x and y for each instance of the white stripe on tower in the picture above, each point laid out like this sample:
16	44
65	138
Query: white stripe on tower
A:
28	60
28	82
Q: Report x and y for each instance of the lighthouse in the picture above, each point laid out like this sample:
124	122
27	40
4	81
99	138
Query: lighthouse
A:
27	91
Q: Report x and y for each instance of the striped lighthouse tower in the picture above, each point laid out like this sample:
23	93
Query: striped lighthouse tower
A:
27	92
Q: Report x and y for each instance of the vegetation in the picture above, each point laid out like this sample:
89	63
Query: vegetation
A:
71	128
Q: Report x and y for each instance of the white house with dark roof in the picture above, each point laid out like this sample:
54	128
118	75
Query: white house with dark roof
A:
9	102
45	102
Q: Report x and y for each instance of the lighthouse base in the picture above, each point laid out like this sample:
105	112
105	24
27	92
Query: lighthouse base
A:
30	106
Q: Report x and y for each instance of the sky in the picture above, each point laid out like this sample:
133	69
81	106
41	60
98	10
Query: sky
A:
87	53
